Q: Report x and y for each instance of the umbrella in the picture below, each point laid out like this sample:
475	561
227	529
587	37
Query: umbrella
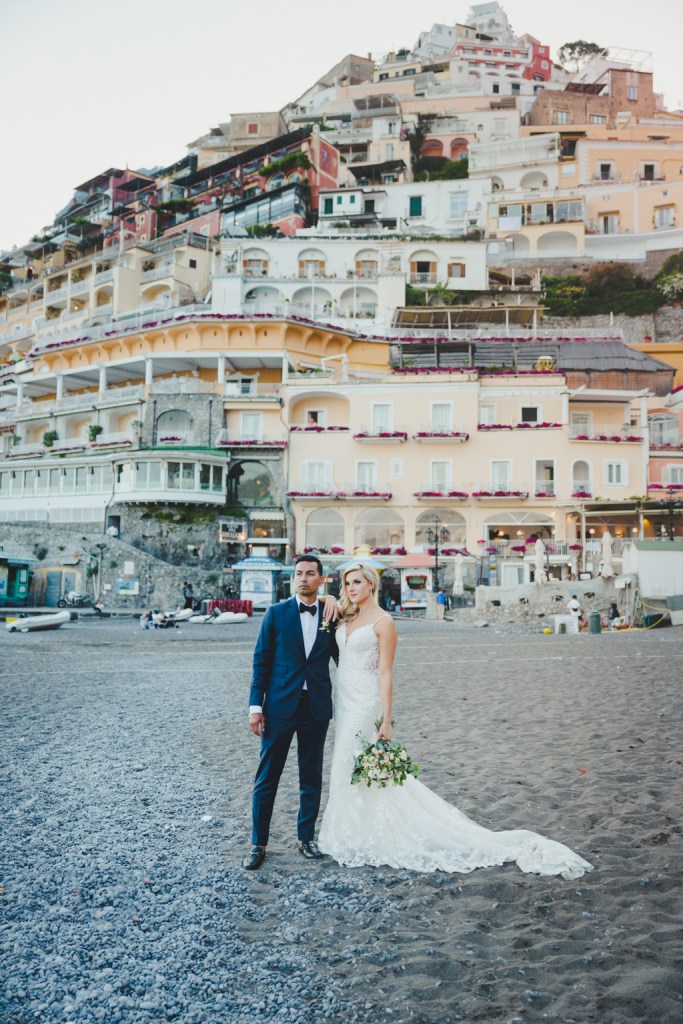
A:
458	586
371	563
539	562
607	567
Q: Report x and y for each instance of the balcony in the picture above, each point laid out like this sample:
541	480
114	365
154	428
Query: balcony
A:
25	451
606	432
78	287
440	492
224	440
120	439
156	273
545	489
305	491
437	436
371	436
251	390
68	444
425	278
495	491
56	293
366	492
102	276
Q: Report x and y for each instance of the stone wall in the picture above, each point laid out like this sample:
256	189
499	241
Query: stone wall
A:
160	582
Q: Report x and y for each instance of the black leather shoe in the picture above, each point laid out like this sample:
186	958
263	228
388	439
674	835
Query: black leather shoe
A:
309	849
255	859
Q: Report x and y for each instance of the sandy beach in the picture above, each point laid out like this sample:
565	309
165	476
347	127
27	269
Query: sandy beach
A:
128	769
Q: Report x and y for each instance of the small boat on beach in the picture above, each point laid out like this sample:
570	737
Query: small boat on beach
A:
33	623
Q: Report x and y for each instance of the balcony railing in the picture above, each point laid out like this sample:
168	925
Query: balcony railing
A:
155	273
605	432
57	293
430	278
81	286
104	275
429	489
121	438
250	389
545	489
494	489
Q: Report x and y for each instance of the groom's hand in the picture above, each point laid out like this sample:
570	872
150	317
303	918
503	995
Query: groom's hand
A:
330	609
257	724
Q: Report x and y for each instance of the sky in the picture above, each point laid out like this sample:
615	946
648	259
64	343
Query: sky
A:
89	85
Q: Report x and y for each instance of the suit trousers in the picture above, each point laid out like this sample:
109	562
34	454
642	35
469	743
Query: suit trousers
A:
275	744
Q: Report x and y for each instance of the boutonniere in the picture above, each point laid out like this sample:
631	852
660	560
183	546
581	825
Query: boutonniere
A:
325	626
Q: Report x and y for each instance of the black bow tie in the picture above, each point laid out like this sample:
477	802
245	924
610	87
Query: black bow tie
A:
307	608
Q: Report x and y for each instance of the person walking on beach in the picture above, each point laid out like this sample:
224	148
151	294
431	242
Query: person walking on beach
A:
291	693
441	605
188	595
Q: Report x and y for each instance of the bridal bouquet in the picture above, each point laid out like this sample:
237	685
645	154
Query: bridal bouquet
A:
383	761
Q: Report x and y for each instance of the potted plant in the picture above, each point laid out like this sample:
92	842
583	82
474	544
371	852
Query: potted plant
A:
94	431
49	438
136	427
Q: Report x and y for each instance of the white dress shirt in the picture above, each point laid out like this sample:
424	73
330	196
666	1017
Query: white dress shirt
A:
309	628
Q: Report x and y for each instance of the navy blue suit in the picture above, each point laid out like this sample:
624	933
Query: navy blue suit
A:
280	670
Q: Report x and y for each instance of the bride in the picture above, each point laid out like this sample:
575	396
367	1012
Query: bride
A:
404	826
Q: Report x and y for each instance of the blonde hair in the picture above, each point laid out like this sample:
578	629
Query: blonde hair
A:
347	608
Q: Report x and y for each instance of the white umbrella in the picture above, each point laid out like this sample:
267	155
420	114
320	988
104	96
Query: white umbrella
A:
458	585
607	567
539	562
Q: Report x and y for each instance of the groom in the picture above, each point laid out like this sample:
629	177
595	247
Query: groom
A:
291	693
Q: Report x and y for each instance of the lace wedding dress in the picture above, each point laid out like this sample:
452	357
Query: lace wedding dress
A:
408	826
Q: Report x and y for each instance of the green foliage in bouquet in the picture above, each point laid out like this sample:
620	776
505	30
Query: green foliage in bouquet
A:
382	762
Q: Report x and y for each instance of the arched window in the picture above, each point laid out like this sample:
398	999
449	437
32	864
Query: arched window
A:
663	428
324	529
378	528
451	529
250	483
277	181
175	424
581	477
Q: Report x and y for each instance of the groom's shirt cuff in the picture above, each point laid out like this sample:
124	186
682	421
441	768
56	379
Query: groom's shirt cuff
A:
255	709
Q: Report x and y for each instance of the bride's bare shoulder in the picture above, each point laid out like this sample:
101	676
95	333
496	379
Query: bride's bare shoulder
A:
384	624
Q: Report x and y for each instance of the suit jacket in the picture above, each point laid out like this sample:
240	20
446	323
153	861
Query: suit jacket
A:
281	667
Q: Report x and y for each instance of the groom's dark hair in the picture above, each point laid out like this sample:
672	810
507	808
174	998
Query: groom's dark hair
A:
310	558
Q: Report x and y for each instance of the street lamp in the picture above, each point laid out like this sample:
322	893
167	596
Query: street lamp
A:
670	507
435	534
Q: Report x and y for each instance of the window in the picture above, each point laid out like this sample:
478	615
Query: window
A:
616	473
487	414
328	204
529	414
665	216
495	88
339	200
16	484
649	172
366	476
501	475
605	171
81	479
68	480
441	418
632	92
456	270
252	129
597	118
41	481
352	200
181	476
580	424
388	153
193	264
251	426
440	475
458	203
369	205
317	475
4	485
571	209
381	418
28	482
324	529
673	474
415	206
544	65
515	88
396	467
561	117
316	416
609	223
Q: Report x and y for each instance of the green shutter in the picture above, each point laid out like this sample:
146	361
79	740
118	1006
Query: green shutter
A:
415	206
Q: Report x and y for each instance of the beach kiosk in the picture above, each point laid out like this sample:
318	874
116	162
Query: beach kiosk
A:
14	579
417	574
259	575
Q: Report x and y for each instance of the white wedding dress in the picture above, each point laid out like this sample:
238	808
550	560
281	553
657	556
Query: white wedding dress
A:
408	826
